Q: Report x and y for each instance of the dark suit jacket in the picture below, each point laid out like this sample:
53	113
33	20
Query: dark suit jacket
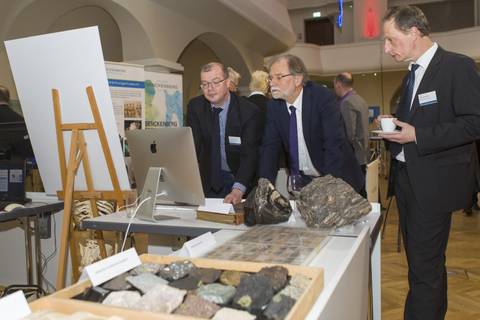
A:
324	134
242	121
261	102
442	164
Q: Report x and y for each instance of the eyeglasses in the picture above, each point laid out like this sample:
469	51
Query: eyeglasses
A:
278	77
213	83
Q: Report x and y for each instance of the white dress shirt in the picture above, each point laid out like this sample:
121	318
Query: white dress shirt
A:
305	163
423	63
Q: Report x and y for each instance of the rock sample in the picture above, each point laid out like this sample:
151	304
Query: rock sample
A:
117	283
297	286
146	268
279	307
277	274
145	281
176	270
195	306
253	293
265	205
231	277
216	293
124	299
328	202
188	283
232	314
161	298
206	275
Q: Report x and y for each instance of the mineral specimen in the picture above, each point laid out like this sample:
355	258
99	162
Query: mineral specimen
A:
253	293
125	299
206	275
216	293
330	202
277	274
176	270
279	307
146	268
145	281
231	277
161	298
232	314
197	307
117	283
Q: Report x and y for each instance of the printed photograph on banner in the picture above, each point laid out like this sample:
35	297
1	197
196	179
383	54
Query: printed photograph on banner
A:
163	100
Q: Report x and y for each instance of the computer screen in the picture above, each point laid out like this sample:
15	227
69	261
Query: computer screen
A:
173	150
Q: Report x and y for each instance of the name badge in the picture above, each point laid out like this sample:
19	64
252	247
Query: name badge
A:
234	140
427	98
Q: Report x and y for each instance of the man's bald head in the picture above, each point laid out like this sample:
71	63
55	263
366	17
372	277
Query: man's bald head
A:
345	79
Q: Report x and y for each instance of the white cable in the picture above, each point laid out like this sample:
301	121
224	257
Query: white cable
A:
131	219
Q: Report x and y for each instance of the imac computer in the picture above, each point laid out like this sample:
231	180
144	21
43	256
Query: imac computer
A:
165	168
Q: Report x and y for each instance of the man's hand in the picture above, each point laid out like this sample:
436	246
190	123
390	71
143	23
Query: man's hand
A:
234	197
406	135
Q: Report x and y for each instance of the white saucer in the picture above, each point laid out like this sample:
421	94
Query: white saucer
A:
386	132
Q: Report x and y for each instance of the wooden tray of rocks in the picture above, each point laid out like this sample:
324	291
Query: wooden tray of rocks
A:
291	290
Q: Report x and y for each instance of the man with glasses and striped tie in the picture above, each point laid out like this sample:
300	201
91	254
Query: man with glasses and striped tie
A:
226	131
304	120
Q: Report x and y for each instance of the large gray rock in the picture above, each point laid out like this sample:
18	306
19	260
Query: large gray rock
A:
124	299
330	202
161	298
145	281
265	205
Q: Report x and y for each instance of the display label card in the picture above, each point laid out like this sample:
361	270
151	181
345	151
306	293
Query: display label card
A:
110	267
14	306
200	245
217	206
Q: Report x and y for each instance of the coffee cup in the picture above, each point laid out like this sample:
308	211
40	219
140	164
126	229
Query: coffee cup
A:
387	124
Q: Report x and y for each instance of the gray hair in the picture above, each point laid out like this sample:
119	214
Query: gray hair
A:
406	17
295	65
209	66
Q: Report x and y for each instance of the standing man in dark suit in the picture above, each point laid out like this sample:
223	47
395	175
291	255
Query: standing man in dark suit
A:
7	115
434	154
226	134
303	119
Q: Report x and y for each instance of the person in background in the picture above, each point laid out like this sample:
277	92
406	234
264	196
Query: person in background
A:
6	113
234	78
226	133
434	154
304	120
354	110
258	93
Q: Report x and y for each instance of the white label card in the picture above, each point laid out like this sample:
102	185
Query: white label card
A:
427	98
110	267
234	140
14	306
200	245
216	205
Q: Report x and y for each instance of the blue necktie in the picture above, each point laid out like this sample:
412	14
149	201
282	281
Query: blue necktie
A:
216	160
293	143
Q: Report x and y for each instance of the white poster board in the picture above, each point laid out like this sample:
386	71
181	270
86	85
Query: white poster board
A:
69	61
127	87
163	100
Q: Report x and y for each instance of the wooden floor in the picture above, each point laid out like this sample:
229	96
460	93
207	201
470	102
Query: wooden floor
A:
463	266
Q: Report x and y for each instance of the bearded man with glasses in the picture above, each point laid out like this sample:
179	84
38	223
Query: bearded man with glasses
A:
226	131
303	119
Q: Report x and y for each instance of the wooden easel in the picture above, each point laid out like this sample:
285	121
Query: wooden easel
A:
78	154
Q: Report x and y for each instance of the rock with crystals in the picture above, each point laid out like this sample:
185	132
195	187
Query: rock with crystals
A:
232	277
197	307
145	281
216	293
206	275
330	202
125	299
176	270
161	298
188	283
253	293
146	268
277	274
232	314
117	283
265	205
279	307
297	286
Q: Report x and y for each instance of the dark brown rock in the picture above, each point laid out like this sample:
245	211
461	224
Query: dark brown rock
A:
253	293
188	283
277	274
206	275
330	202
197	307
265	205
118	283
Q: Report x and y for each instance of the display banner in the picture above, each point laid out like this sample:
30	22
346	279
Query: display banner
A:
163	100
126	82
